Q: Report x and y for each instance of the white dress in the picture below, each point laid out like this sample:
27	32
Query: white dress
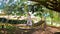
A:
29	21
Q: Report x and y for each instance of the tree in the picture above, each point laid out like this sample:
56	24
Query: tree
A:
50	4
16	8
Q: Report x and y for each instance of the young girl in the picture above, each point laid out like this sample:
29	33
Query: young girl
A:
29	20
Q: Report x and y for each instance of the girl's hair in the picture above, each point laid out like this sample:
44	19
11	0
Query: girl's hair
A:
29	14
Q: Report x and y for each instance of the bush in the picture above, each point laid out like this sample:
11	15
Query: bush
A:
3	20
17	21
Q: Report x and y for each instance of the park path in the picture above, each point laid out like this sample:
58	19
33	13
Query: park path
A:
49	30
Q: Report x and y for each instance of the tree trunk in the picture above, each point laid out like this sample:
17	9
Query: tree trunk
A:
51	21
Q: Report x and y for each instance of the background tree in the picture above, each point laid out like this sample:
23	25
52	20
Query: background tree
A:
50	4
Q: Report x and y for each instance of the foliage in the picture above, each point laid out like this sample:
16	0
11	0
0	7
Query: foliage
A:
3	20
16	7
17	21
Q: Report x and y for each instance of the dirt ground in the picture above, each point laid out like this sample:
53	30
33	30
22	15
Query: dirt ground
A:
48	30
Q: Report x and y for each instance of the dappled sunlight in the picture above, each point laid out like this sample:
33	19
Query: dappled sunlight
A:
29	16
